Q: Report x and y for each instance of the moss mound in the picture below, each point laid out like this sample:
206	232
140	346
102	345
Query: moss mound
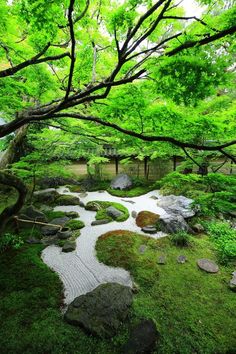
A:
145	218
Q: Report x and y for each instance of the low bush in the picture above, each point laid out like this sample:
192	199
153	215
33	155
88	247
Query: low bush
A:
181	239
224	238
10	241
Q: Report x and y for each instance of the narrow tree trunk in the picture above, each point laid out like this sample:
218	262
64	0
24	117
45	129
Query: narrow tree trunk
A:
12	181
8	156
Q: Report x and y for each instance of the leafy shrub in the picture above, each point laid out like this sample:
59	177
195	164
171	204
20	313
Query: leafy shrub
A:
217	182
10	241
180	184
181	239
224	238
75	224
214	203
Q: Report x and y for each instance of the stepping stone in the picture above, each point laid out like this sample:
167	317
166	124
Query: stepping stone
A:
83	195
69	246
113	212
142	249
207	265
60	221
181	259
100	222
232	283
128	201
150	229
134	214
161	260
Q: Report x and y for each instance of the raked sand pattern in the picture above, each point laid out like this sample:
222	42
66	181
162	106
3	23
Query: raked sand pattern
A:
80	271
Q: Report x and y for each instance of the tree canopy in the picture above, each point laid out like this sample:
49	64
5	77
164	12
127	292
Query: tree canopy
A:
142	68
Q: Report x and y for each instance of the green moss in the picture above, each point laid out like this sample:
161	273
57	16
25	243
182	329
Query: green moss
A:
31	320
66	199
50	214
134	192
193	310
102	214
75	224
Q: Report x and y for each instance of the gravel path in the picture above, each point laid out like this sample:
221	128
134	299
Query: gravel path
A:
80	271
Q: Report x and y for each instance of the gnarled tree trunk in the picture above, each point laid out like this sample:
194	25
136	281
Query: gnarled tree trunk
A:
12	181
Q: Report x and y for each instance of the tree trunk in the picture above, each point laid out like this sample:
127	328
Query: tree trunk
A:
8	156
12	181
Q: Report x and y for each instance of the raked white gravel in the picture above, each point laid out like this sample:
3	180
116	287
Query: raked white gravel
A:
80	271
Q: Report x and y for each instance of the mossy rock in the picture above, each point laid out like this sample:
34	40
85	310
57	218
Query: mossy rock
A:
65	199
75	224
145	218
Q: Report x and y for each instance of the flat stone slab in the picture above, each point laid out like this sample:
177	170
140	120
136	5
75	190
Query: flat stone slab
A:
128	201
181	259
100	222
161	260
102	310
207	265
150	229
142	249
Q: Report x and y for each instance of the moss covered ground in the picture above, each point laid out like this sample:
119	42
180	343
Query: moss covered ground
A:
194	311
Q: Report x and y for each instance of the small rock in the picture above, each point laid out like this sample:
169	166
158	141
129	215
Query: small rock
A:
135	287
46	196
92	206
232	283
128	201
69	246
33	241
113	212
149	229
64	233
72	214
101	191
49	230
102	310
81	204
181	259
134	214
33	214
83	195
143	338
154	197
198	228
49	240
100	222
207	265
142	249
161	260
60	221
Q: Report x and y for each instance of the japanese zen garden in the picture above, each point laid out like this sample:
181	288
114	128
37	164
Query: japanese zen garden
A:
117	177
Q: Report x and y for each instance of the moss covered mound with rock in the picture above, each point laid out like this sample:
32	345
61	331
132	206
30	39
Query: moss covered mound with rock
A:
104	210
193	310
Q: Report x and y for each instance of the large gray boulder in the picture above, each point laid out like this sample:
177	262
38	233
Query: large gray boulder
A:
113	212
31	213
143	338
101	311
176	205
172	224
121	182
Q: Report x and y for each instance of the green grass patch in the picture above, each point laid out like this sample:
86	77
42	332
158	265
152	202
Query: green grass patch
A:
193	310
134	192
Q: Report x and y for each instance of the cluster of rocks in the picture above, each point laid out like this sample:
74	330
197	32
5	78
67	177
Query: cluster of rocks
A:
50	196
111	212
53	232
102	311
54	182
